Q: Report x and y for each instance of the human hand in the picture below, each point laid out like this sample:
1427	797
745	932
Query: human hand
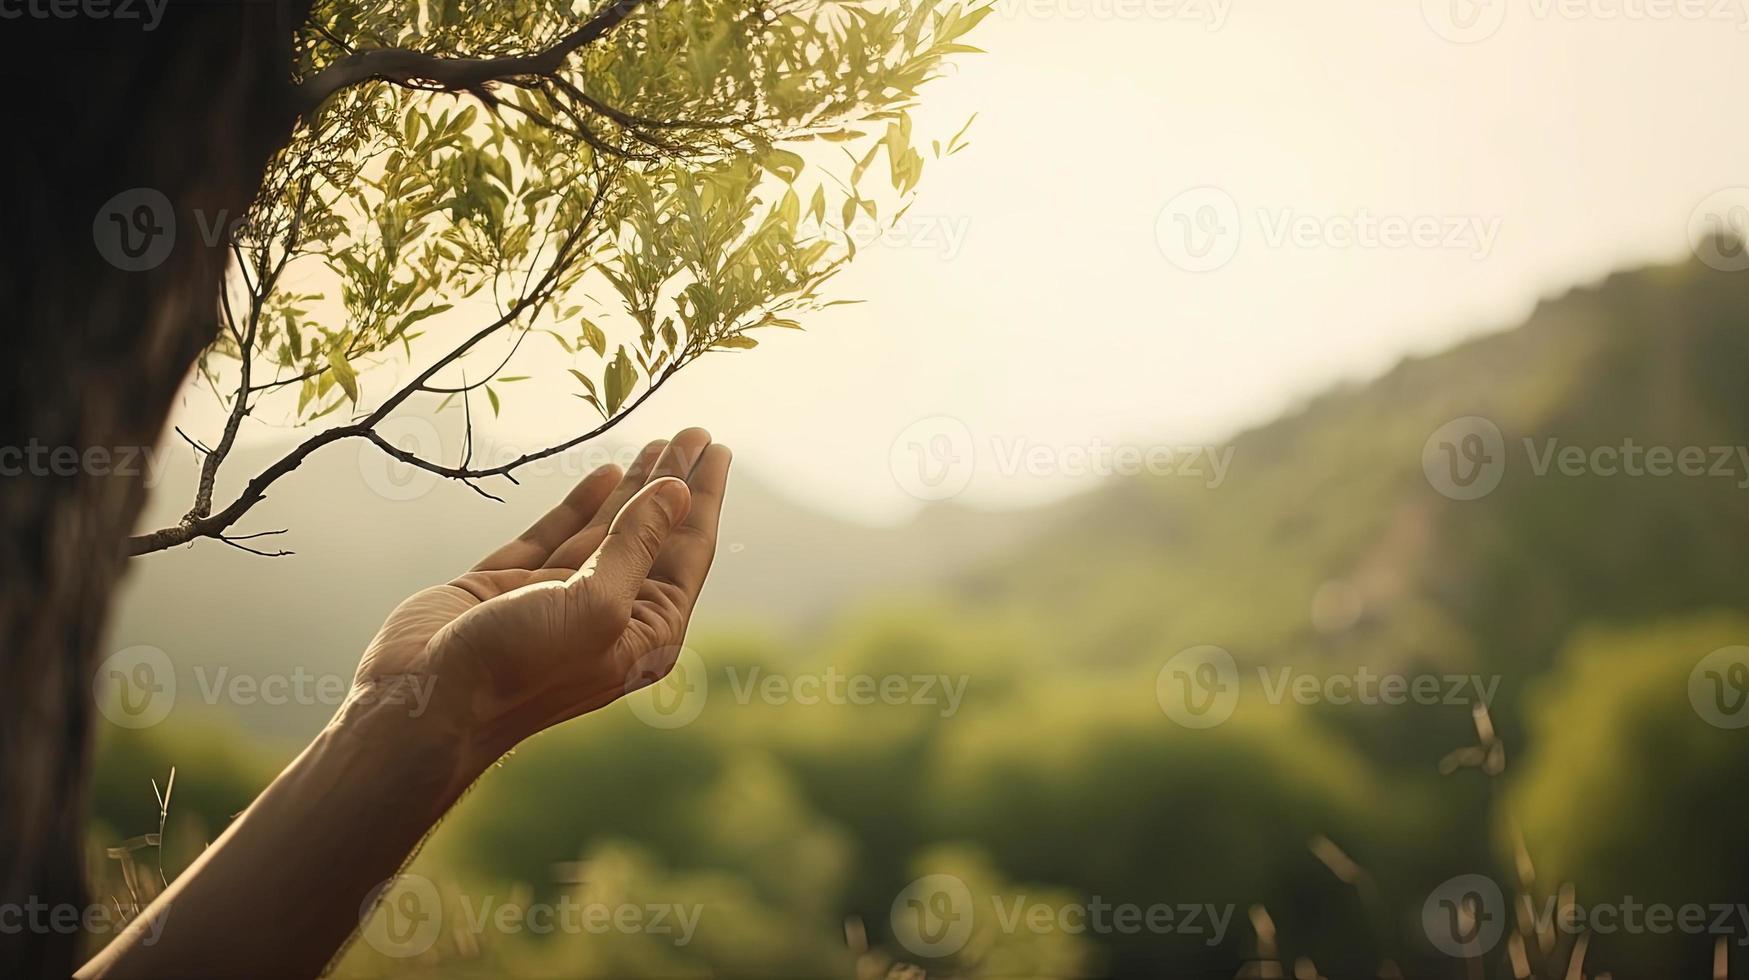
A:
588	604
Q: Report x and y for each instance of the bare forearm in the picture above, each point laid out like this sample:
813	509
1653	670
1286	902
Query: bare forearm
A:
590	602
282	888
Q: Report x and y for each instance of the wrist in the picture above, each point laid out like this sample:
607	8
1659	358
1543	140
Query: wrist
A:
426	744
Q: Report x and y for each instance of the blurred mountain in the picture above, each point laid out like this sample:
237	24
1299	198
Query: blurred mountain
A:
1341	535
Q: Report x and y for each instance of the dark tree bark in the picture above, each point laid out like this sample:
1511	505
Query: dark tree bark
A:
94	355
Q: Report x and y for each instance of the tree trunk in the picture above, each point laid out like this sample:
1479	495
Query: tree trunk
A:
94	356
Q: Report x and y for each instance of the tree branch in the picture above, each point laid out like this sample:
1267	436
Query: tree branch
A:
209	470
464	472
214	524
414	69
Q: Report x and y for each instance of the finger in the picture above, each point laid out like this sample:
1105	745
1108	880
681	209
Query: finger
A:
682	454
686	556
635	539
660	458
532	547
582	542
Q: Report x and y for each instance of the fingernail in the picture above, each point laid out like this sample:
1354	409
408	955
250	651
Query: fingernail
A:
672	495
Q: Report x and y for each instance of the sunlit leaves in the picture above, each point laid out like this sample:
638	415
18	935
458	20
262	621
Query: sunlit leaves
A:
688	178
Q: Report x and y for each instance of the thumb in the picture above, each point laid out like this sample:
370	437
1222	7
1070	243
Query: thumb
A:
635	538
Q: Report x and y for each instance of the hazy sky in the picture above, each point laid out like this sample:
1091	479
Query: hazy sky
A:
1043	291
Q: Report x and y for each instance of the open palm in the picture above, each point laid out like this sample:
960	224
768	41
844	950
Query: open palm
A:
588	604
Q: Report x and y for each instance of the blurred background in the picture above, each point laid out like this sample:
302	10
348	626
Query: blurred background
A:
1279	512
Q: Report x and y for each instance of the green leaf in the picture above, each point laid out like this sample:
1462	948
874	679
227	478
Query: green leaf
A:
594	337
737	342
954	143
492	396
344	374
618	380
592	400
783	163
420	314
584	378
329	410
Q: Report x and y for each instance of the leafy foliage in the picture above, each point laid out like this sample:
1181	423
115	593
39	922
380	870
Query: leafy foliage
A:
638	207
